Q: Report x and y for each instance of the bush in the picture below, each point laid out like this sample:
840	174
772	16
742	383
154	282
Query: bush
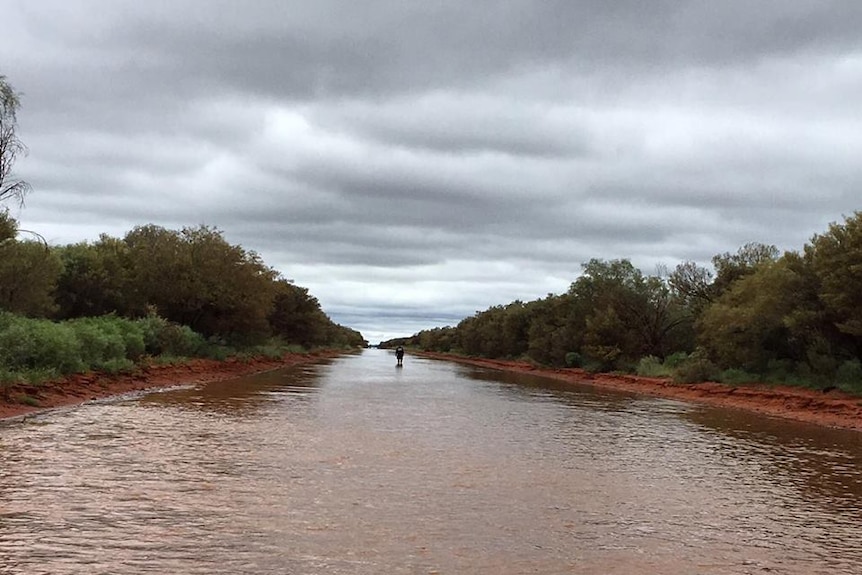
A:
602	358
163	337
574	359
99	342
849	376
651	366
675	360
696	368
118	365
31	344
737	377
37	349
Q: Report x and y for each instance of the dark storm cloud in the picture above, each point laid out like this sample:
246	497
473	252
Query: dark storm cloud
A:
434	158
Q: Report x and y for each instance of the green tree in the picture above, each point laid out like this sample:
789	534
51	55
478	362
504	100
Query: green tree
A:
764	317
196	278
499	331
624	314
8	226
11	147
550	334
28	277
731	267
693	285
437	339
836	257
94	280
296	316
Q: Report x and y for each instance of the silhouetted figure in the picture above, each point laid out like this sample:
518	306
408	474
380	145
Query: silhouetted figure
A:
399	355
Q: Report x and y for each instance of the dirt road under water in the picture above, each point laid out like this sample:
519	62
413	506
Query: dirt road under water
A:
354	466
832	409
18	400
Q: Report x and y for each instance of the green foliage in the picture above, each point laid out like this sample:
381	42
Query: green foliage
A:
731	267
696	368
848	377
442	339
737	377
95	279
38	349
28	344
651	366
117	366
674	360
8	226
836	259
26	399
693	284
500	331
752	323
162	337
194	277
296	315
28	276
574	359
793	318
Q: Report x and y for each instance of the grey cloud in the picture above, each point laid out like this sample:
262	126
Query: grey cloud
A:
457	153
456	124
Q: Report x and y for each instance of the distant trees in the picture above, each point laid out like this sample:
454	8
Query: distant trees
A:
757	314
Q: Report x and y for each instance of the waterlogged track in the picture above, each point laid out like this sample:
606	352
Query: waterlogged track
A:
354	466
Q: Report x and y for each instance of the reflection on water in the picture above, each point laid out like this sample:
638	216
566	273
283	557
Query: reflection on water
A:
353	466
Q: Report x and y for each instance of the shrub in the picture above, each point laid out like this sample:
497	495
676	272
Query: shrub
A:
849	376
601	358
133	338
574	359
695	369
117	365
163	337
97	342
41	344
737	377
675	360
651	366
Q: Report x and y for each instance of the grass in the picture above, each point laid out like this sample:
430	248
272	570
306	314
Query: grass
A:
25	399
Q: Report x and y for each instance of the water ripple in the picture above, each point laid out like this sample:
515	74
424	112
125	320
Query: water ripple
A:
354	467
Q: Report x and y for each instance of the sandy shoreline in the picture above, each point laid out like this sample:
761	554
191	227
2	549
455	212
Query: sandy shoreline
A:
79	388
833	409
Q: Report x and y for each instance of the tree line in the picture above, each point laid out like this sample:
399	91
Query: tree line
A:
107	303
192	277
755	315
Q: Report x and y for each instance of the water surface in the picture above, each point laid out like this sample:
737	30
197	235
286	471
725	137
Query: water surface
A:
354	466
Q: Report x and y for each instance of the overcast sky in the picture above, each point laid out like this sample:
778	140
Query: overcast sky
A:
412	162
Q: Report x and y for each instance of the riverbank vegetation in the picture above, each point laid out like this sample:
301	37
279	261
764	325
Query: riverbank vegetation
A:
109	304
112	303
755	316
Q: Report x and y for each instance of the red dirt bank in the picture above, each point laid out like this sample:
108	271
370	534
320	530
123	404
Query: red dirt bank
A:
833	409
84	387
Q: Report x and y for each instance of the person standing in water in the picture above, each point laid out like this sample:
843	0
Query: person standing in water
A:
399	355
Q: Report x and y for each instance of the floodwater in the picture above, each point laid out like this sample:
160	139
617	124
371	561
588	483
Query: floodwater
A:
354	466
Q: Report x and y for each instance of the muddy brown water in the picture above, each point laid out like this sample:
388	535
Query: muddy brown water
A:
355	466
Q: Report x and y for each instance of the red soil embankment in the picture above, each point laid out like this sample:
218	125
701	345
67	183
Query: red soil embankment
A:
84	387
832	409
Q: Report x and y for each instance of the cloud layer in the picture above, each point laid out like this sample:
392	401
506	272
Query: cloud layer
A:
413	162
